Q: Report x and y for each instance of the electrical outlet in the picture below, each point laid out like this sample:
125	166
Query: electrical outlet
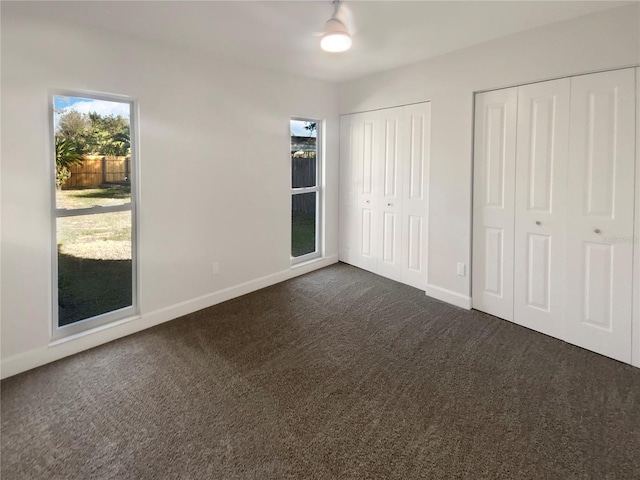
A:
215	268
462	269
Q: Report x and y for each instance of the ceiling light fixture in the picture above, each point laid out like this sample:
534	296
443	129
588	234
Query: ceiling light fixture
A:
336	36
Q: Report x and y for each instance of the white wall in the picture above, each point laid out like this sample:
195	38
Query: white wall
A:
215	174
595	42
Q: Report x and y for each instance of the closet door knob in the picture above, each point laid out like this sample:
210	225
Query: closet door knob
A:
367	201
598	231
389	204
538	222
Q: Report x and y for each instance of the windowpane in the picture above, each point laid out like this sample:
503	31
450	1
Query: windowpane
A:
303	170
305	189
303	154
94	265
303	224
93	152
94	205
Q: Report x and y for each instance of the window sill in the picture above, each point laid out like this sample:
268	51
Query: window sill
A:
304	263
91	331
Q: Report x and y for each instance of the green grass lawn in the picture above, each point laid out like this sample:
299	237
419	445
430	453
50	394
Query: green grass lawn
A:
88	197
303	234
94	255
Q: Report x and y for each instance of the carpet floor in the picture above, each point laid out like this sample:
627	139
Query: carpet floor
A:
338	374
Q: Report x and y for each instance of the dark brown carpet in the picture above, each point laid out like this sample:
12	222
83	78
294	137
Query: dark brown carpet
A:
337	374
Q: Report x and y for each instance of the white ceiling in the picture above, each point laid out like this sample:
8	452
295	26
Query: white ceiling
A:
283	35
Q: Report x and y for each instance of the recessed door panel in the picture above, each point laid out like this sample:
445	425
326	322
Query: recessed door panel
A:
367	158
367	233
599	149
494	265
538	268
390	158
416	157
495	155
389	238
415	244
598	279
541	149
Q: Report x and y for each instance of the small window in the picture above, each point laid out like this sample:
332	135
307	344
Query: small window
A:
305	189
94	215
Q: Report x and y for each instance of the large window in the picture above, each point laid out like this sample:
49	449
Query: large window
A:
305	189
94	214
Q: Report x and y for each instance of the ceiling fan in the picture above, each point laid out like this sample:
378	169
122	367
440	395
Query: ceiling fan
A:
336	37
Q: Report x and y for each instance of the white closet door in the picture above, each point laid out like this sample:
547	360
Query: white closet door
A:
540	206
600	208
350	133
366	195
388	183
635	354
493	212
416	133
384	166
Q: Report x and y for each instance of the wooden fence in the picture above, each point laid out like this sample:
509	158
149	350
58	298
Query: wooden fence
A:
303	174
96	170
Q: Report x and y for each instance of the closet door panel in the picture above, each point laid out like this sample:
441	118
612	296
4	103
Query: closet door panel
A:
635	354
600	217
350	132
416	131
389	171
367	226
494	199
540	206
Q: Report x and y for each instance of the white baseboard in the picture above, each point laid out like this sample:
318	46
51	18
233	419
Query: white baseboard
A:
454	298
101	335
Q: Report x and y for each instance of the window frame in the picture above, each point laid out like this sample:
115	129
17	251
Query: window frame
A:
317	189
132	311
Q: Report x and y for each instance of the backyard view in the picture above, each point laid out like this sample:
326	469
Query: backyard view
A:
93	201
303	225
94	255
304	184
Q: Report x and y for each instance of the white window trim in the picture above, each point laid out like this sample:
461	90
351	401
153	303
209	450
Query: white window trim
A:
318	253
133	310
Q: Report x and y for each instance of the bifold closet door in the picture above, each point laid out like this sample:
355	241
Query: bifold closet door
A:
600	222
384	161
366	195
415	138
541	206
494	202
554	193
350	134
371	198
388	160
